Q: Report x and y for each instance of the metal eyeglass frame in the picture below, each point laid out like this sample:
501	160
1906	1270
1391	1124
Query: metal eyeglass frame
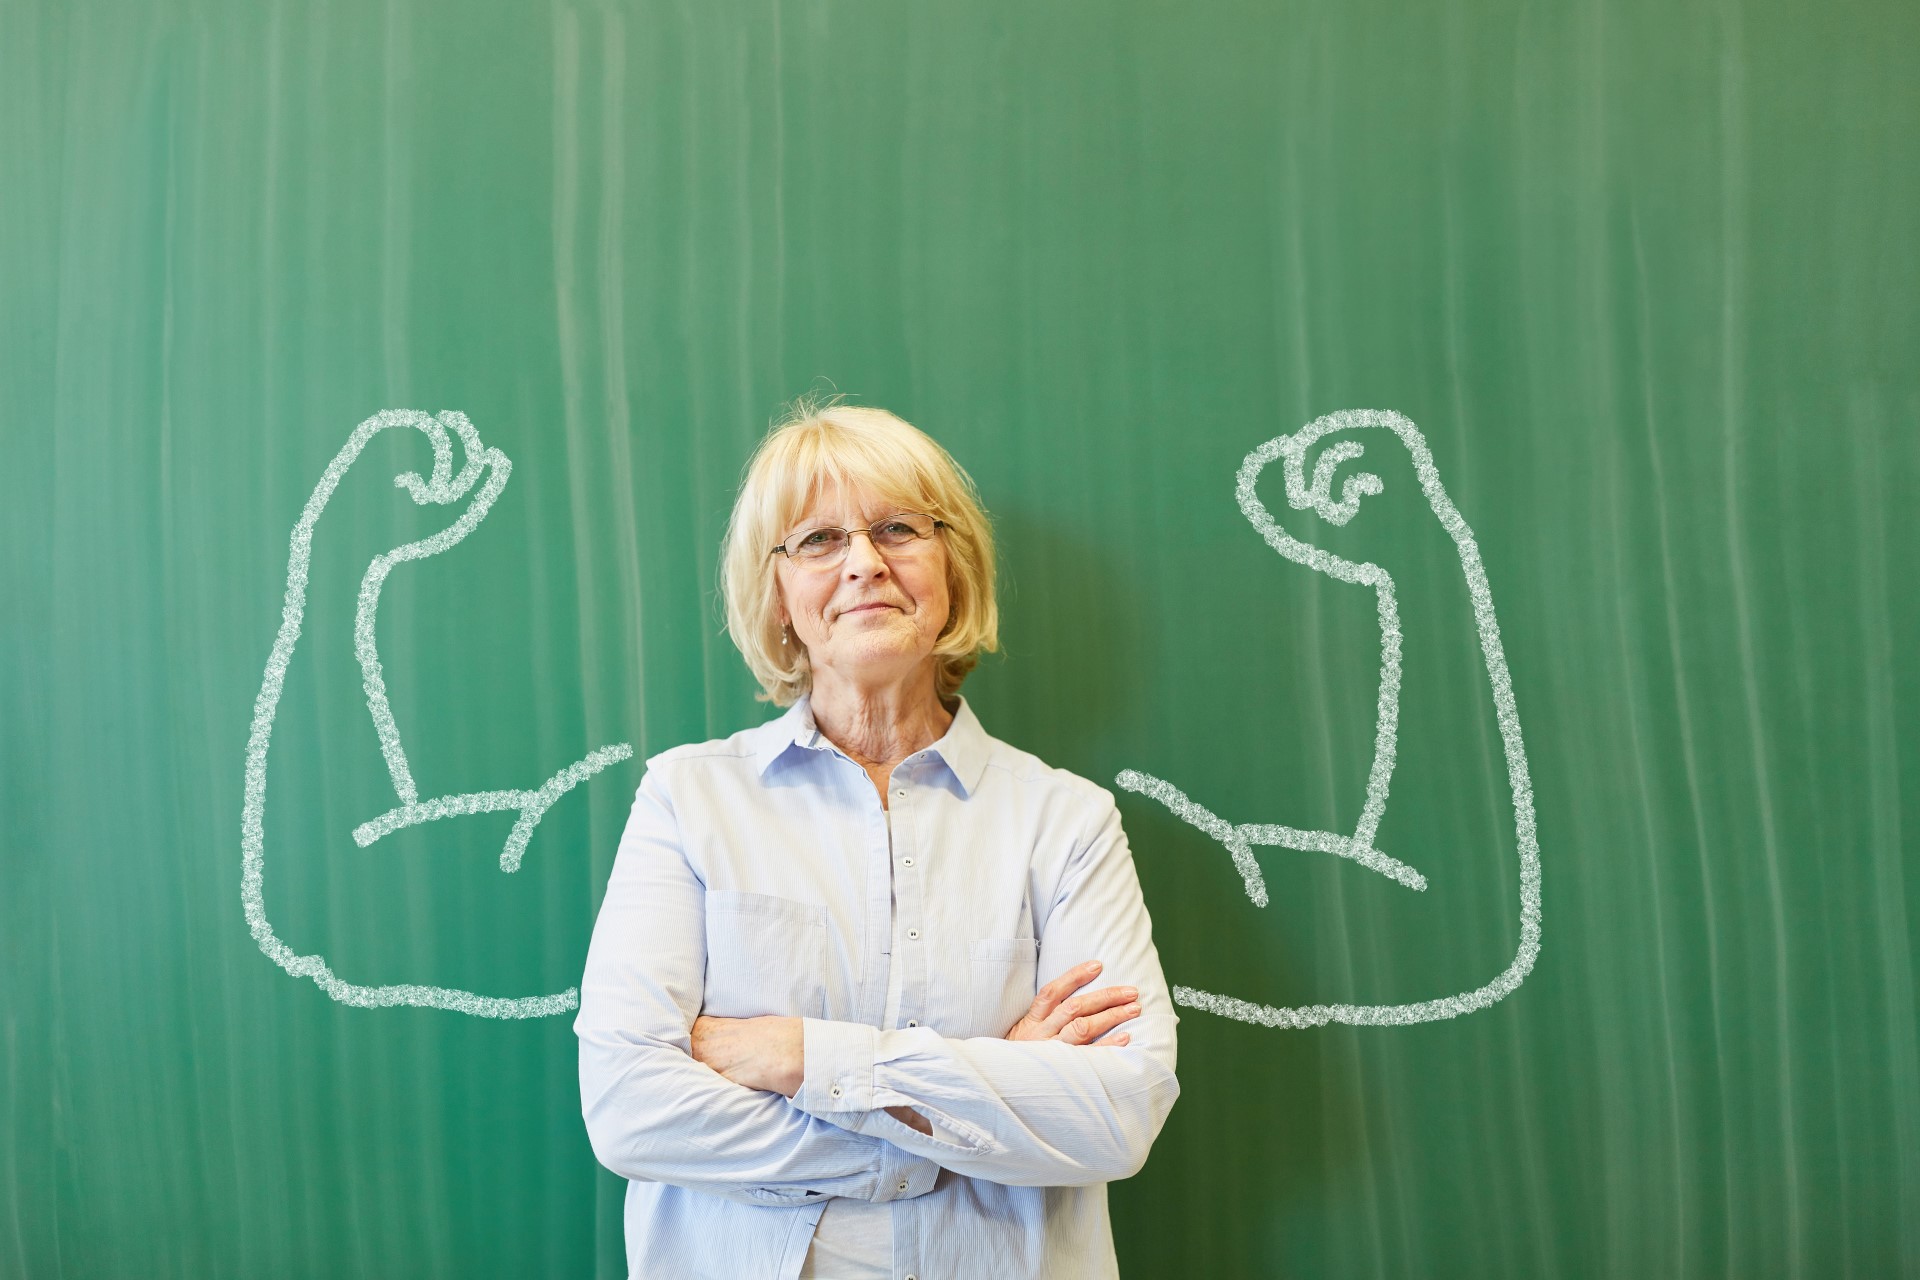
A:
836	557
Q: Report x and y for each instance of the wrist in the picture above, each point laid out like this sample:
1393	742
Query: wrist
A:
912	1119
794	1060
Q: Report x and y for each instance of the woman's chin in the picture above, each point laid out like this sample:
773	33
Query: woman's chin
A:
880	656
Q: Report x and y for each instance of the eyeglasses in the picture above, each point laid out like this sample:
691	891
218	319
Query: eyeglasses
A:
824	546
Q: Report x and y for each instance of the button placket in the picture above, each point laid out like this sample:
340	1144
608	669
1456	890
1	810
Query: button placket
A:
908	901
879	877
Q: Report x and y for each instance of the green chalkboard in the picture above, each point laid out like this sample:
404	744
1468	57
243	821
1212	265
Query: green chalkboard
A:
1533	849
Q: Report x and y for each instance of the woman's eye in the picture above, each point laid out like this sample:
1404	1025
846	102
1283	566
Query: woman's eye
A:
818	538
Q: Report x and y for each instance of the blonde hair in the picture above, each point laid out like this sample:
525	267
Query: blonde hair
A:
821	444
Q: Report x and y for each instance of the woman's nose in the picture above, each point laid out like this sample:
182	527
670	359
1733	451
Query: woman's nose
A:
863	558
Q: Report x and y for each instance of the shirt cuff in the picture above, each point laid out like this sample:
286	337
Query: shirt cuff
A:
836	1068
836	1085
904	1175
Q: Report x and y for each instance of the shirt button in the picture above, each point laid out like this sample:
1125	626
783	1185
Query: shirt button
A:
902	794
903	1186
835	1091
913	1022
906	862
913	933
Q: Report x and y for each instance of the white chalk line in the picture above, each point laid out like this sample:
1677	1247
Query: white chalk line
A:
441	489
1240	839
532	805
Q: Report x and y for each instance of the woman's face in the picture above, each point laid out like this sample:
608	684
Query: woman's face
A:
869	617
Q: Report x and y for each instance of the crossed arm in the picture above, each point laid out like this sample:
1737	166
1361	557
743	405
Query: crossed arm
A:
769	1053
790	1111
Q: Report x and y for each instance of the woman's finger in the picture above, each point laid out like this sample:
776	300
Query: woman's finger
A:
1048	998
1088	1002
1055	1006
1090	1027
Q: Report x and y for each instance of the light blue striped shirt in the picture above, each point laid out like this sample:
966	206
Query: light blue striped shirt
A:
759	874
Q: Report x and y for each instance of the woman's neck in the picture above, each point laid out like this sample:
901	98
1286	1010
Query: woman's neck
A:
879	725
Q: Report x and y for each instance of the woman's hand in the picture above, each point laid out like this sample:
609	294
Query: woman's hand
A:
1077	1019
760	1053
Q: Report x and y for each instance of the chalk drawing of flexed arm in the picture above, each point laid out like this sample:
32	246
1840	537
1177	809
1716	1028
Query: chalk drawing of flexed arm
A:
445	488
1315	493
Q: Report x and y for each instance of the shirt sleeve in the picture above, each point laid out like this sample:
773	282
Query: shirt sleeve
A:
1024	1113
653	1112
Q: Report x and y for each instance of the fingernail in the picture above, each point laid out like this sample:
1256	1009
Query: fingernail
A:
1133	1008
1094	965
1129	992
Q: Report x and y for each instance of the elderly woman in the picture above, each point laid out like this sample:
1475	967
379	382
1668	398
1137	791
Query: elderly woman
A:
855	997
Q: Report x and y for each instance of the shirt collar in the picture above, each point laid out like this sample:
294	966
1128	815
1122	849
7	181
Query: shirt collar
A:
963	748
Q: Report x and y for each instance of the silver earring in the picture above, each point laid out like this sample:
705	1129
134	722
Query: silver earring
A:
783	634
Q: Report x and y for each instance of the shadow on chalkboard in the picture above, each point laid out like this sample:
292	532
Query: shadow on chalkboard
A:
1069	649
1274	1113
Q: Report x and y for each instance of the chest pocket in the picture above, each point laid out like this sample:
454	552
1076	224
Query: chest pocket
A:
765	955
1002	972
